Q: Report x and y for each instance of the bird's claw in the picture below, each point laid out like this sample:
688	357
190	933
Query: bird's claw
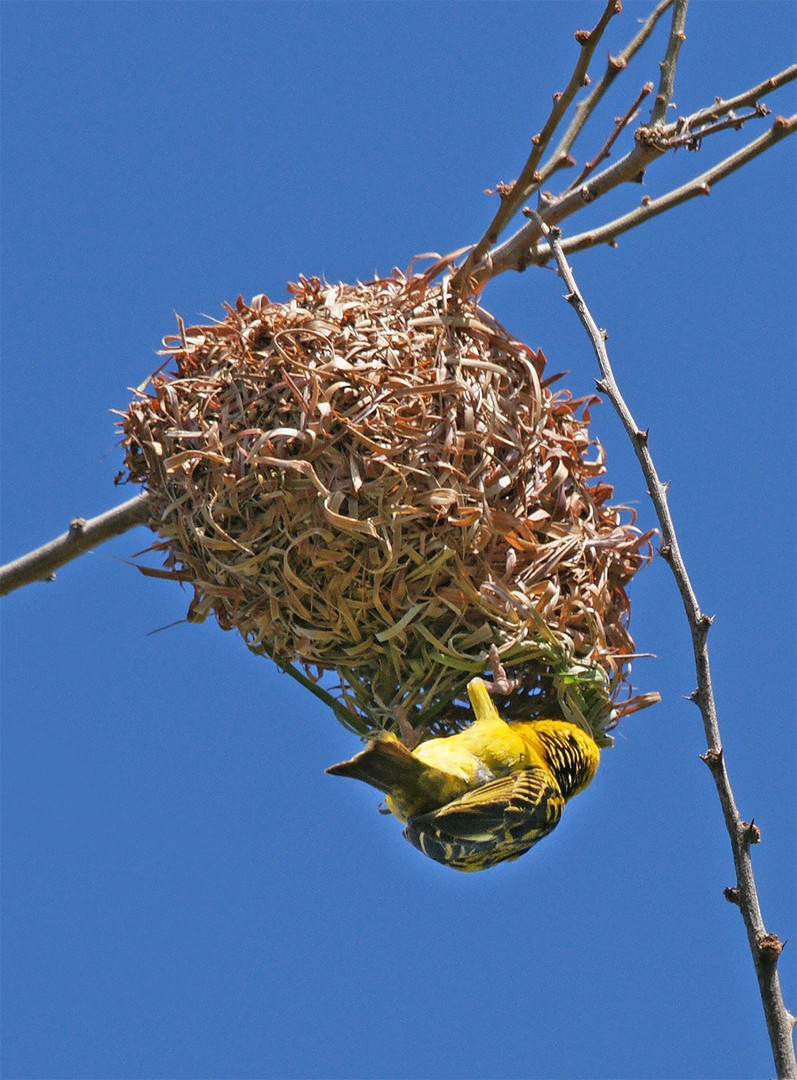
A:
500	683
409	735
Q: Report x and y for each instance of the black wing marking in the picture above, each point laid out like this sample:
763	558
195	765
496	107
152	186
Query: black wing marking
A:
495	822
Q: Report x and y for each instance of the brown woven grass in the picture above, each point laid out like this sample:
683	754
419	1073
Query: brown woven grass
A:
376	480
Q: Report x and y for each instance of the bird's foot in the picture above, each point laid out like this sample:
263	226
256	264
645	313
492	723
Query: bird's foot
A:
500	683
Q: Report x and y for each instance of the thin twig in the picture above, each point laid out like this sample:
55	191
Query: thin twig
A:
722	106
765	947
650	208
41	564
692	139
620	124
669	63
529	178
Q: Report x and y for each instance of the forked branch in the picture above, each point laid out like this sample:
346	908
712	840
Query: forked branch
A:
514	196
651	141
649	208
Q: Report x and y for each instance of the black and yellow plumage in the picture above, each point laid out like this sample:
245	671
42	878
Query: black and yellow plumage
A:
485	795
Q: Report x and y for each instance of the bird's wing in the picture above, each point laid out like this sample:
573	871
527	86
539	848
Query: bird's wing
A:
497	821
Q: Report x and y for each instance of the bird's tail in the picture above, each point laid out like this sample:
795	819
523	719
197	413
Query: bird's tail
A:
385	764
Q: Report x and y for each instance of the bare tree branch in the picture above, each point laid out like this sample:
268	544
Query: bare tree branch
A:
518	251
614	66
669	63
520	191
722	106
765	947
650	208
620	124
41	564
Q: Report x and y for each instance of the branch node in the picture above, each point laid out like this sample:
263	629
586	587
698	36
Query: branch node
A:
732	895
751	834
642	437
601	386
76	526
713	758
703	622
666	552
770	947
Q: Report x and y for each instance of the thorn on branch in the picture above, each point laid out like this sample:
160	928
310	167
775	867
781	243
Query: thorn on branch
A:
751	834
770	947
601	386
732	895
712	758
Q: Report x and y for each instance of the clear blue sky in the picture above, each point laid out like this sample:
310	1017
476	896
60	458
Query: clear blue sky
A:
186	893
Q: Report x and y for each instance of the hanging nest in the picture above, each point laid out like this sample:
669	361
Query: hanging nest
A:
376	481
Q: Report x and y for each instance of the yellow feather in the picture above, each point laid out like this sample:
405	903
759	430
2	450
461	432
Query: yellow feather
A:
486	794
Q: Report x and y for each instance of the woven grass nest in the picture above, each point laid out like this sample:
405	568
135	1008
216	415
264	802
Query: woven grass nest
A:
376	483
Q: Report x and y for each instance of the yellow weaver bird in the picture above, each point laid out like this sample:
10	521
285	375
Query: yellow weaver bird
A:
482	796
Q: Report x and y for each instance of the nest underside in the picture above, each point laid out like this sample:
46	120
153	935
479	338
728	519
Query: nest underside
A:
376	481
